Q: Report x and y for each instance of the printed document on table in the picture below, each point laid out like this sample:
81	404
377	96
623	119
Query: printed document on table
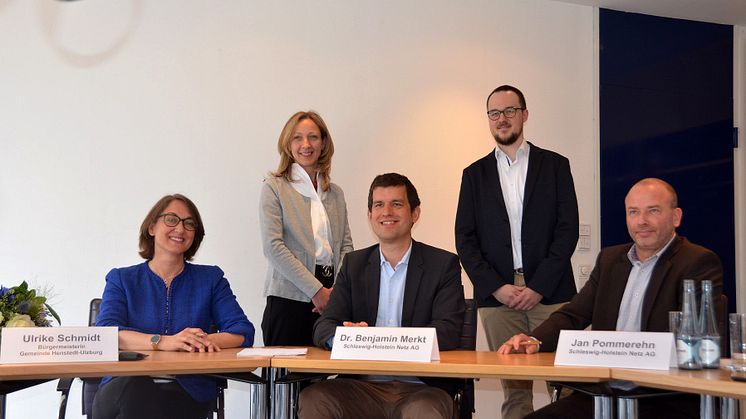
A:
270	351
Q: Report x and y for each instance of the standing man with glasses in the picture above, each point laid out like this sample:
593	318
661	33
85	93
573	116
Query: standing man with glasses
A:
516	228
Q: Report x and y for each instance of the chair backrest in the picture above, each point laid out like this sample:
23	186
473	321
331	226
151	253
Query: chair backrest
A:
469	328
93	310
465	397
90	385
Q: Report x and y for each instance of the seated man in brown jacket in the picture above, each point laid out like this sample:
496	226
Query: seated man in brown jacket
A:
632	288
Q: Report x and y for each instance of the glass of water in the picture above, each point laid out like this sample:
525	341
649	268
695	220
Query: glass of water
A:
674	322
737	323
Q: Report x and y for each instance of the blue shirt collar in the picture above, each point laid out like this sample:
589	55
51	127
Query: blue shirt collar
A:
404	260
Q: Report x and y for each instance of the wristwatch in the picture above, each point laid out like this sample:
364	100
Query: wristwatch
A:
155	340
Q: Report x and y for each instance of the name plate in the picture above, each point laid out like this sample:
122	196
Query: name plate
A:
32	345
640	350
386	344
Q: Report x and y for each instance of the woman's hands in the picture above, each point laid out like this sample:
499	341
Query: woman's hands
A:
191	339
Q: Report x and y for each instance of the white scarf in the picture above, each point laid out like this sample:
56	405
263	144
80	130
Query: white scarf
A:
322	232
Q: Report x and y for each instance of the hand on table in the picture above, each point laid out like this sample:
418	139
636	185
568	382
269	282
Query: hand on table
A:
518	344
191	339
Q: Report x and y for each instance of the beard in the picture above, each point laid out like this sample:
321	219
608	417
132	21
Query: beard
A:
510	140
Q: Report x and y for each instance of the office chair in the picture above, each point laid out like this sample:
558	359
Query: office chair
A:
90	385
464	397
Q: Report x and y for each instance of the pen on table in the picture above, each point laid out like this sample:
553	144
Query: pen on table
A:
530	342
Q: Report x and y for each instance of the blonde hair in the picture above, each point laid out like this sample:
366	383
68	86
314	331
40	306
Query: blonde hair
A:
286	156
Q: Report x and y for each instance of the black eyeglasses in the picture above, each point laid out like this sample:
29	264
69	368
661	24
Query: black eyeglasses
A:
172	220
509	112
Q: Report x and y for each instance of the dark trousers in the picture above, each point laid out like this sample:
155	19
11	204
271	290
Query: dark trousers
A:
580	406
289	322
141	398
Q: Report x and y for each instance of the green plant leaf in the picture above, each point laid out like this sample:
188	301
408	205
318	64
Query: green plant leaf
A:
53	313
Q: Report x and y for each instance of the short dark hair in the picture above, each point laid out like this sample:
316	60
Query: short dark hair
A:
394	179
508	88
147	241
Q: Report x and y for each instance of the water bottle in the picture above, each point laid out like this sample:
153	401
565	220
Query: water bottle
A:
709	346
687	342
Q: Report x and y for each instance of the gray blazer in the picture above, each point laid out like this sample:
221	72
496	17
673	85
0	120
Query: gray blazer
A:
287	237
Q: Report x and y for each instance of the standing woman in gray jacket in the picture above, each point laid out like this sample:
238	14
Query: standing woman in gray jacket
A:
305	232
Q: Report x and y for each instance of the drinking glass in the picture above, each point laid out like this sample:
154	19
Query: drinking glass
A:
737	323
674	322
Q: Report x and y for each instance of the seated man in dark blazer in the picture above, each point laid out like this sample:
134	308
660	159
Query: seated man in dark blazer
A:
632	288
396	283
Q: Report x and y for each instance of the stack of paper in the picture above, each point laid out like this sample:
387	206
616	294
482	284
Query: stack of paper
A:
270	351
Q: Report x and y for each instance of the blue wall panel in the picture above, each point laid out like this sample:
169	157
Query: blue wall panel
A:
666	110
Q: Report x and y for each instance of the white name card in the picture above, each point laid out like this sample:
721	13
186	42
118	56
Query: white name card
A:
386	344
30	345
591	348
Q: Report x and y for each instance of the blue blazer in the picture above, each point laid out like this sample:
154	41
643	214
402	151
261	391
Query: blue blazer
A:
136	299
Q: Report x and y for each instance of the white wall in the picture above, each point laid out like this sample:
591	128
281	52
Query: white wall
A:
107	105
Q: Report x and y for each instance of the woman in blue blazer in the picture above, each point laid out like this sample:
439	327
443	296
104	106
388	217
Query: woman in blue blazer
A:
168	304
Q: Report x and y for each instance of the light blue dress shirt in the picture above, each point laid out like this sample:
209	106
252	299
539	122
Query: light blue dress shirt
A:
391	290
391	303
630	310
